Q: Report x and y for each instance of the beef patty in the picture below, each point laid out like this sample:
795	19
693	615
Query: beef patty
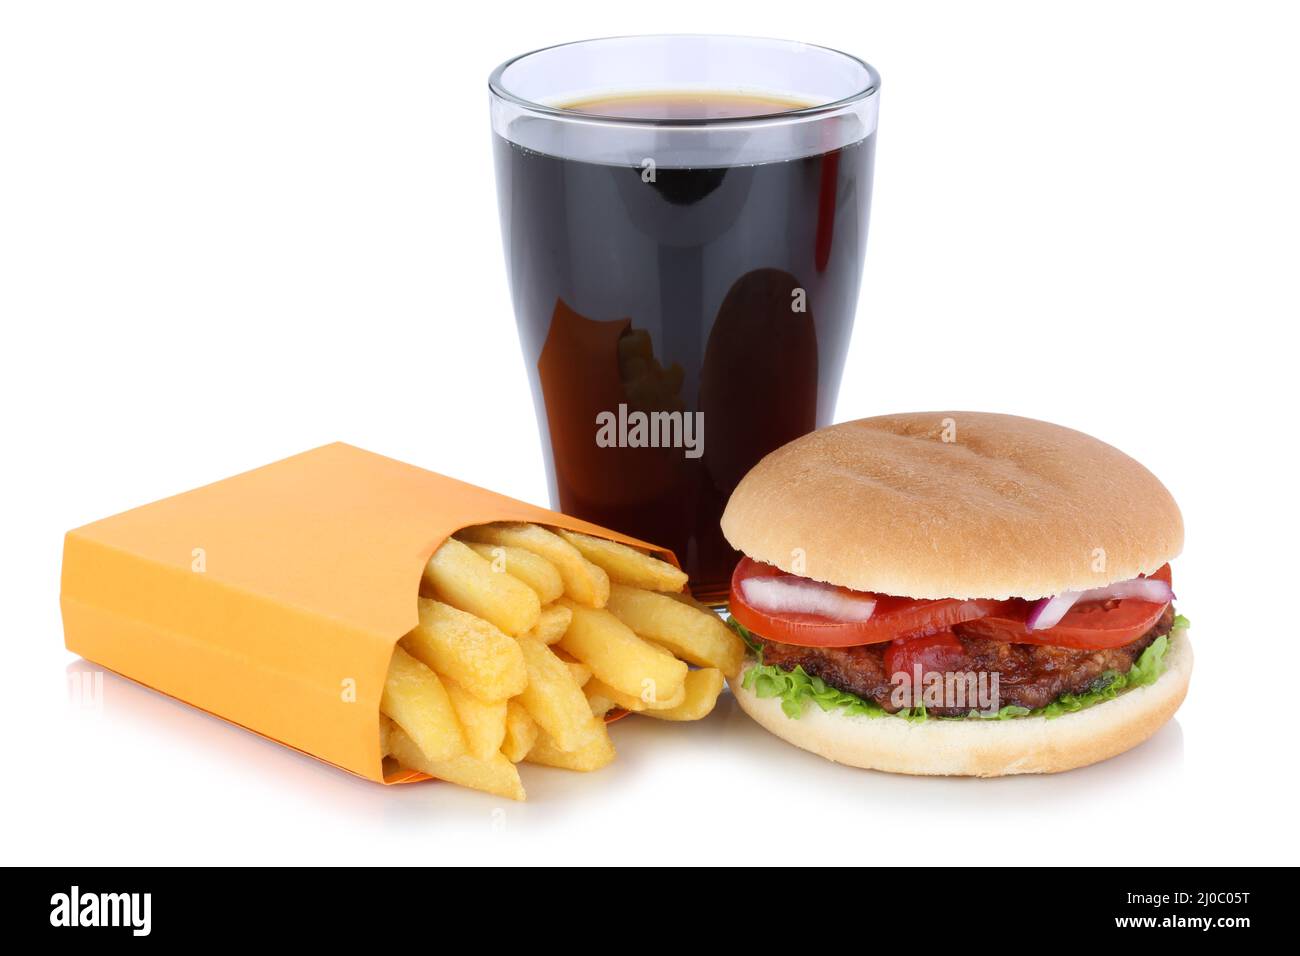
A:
1029	675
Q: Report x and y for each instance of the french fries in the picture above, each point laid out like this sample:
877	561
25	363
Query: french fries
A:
534	570
618	657
469	650
552	624
700	696
418	703
600	704
700	638
521	732
584	582
642	703
494	775
456	575
484	724
580	671
596	752
528	637
553	698
627	565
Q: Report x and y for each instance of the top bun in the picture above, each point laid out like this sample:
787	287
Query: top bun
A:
954	504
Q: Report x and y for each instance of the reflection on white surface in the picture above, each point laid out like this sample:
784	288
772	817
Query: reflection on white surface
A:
1013	795
709	776
127	707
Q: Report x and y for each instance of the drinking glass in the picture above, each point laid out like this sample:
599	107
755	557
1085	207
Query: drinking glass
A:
684	221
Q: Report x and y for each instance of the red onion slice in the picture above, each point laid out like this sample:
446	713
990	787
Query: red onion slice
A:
1150	590
1049	611
793	595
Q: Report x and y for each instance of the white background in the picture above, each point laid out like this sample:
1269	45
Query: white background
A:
234	231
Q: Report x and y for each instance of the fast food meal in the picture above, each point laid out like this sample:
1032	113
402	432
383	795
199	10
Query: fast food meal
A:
957	593
359	610
529	639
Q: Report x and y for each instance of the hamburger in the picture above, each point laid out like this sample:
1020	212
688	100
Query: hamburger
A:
957	593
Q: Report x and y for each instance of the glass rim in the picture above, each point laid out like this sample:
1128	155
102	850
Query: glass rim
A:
498	89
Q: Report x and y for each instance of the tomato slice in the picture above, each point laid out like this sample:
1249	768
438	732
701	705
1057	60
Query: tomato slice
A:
893	617
934	653
1095	625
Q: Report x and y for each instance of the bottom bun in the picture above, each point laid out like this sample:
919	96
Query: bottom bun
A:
983	748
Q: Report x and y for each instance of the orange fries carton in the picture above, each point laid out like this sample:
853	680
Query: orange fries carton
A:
273	599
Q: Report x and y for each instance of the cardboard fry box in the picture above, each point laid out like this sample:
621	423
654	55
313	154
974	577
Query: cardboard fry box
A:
273	599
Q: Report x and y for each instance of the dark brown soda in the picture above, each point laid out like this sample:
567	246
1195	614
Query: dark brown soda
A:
724	290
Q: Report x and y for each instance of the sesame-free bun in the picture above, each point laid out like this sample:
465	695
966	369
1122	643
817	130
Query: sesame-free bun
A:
983	748
954	504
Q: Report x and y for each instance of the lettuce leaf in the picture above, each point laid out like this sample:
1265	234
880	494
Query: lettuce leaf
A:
797	688
755	647
1149	666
